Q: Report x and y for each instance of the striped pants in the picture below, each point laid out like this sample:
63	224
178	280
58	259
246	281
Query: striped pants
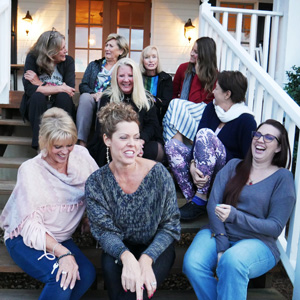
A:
182	116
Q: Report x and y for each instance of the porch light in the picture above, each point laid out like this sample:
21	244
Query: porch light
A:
188	27
28	20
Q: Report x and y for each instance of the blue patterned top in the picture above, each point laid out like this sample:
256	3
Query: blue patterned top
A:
149	216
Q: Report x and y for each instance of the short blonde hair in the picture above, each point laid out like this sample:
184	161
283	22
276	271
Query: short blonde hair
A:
56	125
141	98
121	42
146	52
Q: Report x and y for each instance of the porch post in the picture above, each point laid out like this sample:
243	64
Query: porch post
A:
288	42
203	8
5	19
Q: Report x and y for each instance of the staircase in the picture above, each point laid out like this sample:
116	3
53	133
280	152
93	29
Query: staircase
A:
15	141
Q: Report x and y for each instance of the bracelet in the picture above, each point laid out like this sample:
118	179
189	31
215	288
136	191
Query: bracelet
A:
53	250
217	234
67	254
193	162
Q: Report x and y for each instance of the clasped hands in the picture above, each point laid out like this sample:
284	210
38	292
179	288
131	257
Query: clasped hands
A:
32	77
198	177
138	275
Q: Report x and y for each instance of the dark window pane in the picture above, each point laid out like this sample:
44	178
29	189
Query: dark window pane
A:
82	11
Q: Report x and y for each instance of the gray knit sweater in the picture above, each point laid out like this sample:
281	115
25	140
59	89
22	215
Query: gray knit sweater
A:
149	216
261	213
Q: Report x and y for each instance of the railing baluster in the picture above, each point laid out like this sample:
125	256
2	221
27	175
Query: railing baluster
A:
273	46
253	34
266	42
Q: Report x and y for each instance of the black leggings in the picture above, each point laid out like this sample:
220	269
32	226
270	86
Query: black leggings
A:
38	103
112	271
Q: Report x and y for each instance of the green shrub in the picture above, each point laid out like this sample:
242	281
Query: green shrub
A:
293	85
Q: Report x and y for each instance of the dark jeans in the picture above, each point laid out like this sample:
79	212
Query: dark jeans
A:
27	259
38	103
112	271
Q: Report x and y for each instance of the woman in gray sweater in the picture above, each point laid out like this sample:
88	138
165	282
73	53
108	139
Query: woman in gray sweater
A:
250	203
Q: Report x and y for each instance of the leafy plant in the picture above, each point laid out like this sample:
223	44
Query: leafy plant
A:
293	85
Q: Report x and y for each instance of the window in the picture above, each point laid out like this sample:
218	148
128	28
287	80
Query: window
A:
91	21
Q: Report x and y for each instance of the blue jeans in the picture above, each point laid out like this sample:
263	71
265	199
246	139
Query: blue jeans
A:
27	259
245	259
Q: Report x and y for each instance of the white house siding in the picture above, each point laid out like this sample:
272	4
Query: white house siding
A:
167	30
45	14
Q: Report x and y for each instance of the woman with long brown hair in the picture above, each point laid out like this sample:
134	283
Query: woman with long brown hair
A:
250	203
192	90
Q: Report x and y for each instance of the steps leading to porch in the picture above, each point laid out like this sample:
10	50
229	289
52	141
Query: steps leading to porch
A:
15	133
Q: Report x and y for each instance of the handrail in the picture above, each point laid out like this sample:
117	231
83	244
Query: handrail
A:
246	11
267	100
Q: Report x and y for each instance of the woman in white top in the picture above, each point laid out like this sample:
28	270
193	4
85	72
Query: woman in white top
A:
46	207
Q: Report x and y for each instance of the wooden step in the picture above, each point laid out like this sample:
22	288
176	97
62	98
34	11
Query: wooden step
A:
6	187
15	140
12	162
253	294
13	122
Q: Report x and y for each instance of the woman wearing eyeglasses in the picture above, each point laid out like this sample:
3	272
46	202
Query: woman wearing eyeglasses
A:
250	203
49	80
224	133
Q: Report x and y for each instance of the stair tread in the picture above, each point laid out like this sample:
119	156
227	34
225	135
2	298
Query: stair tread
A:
12	162
15	140
6	187
13	122
253	294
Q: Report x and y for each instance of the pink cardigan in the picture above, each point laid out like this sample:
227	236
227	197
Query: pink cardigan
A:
46	201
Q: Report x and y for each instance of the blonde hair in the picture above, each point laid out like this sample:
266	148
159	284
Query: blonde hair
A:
141	98
56	125
145	53
45	48
112	114
121	42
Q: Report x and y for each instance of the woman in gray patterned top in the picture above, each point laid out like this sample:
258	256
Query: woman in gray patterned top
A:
132	209
250	203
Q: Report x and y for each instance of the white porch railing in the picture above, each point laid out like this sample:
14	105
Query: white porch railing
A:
267	100
5	12
266	52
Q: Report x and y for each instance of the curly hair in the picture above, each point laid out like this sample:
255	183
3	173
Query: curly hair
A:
112	114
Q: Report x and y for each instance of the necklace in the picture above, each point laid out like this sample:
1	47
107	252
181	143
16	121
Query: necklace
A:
250	182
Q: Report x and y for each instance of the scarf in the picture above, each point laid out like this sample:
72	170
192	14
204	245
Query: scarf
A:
39	186
103	78
233	112
186	86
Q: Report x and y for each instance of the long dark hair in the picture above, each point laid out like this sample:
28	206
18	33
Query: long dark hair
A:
281	159
206	66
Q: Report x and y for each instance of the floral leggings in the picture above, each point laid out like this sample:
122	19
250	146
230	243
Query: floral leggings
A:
209	154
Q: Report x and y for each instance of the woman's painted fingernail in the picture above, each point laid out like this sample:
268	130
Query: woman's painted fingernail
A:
72	287
65	288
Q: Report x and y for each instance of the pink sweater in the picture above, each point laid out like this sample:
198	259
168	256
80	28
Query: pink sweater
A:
46	201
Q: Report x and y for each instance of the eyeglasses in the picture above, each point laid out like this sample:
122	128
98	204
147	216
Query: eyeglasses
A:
268	138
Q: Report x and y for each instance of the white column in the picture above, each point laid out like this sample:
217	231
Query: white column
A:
5	19
288	42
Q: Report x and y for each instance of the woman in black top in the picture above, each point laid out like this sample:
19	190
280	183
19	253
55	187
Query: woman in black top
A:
49	80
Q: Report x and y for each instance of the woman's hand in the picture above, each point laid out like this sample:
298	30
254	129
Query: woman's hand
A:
198	178
131	274
68	270
67	89
222	211
141	153
97	96
148	276
32	77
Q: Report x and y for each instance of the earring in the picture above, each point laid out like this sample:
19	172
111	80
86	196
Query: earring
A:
107	155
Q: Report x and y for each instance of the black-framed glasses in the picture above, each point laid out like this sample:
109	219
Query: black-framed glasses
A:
268	138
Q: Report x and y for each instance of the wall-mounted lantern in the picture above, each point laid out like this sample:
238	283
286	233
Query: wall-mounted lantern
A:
28	20
188	28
